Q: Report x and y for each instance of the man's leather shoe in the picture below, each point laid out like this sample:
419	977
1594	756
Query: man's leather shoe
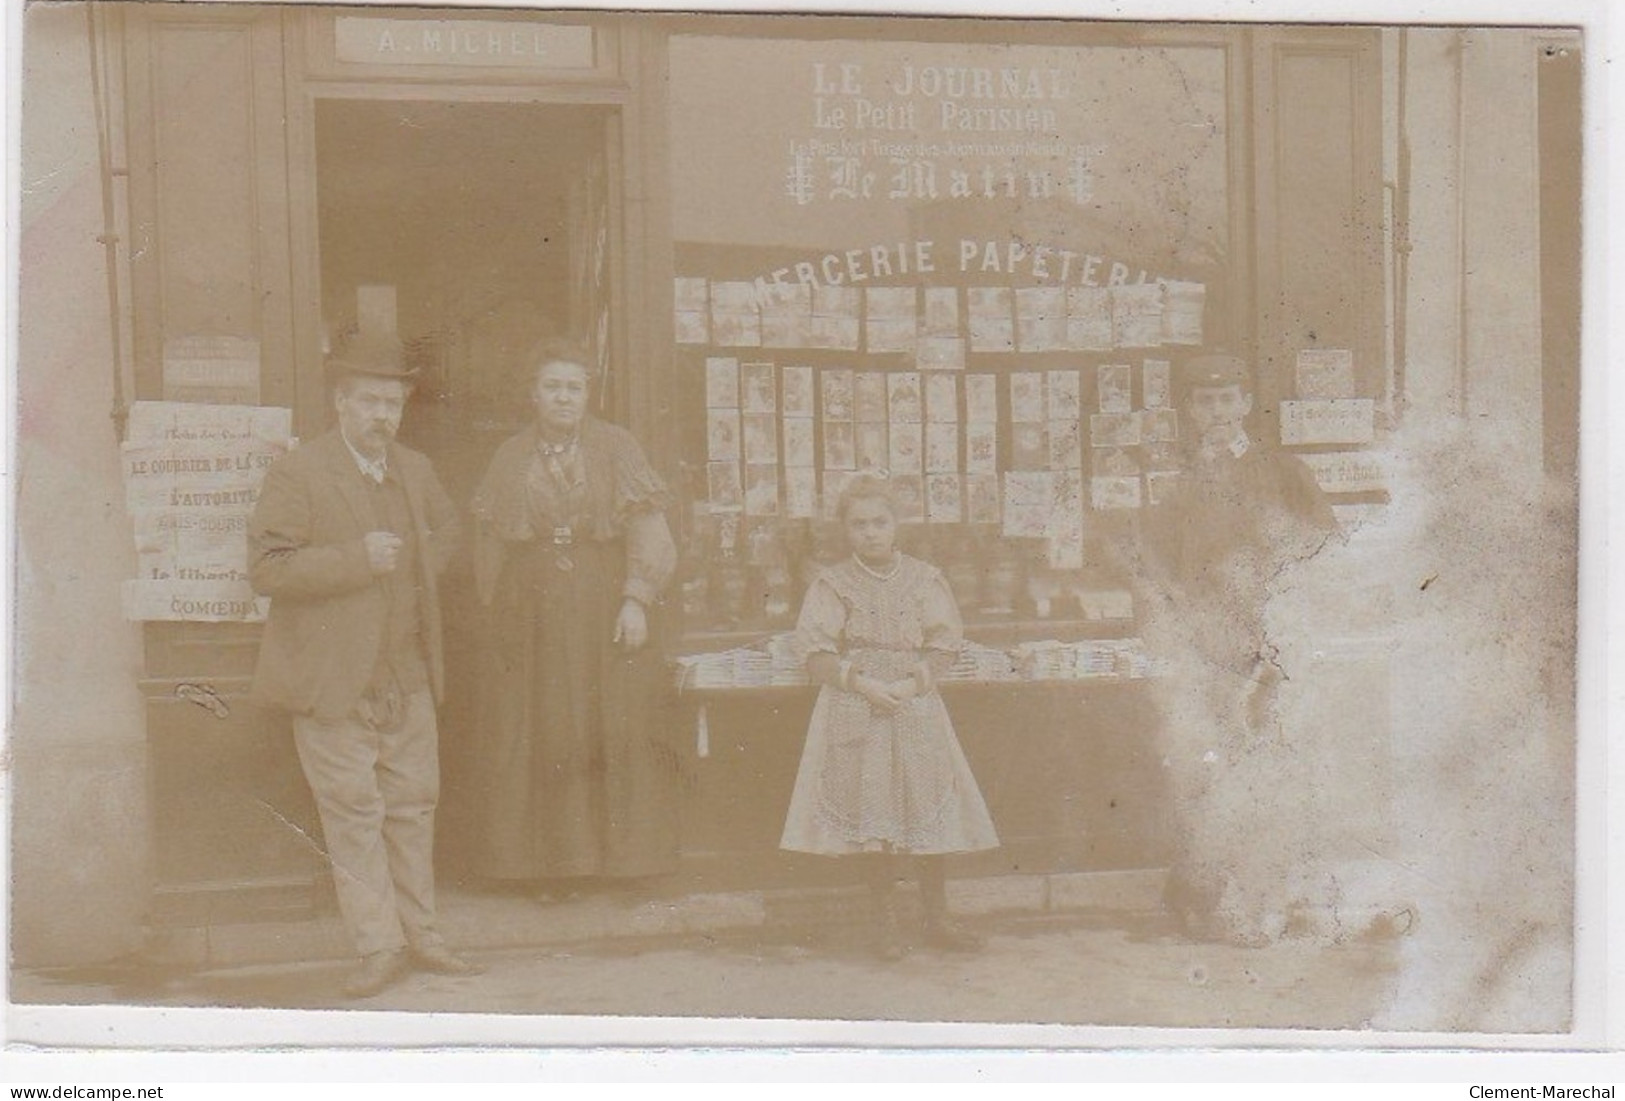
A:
377	971
437	959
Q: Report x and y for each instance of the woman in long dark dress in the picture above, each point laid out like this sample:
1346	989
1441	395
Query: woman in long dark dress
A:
572	551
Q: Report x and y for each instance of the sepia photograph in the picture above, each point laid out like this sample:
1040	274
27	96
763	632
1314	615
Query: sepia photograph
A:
417	618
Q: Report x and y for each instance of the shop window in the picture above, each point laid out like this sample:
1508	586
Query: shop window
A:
970	266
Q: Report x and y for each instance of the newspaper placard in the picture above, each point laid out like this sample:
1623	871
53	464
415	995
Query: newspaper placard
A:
192	474
1349	471
1349	420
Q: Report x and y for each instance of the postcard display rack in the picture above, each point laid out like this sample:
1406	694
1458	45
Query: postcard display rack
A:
1022	427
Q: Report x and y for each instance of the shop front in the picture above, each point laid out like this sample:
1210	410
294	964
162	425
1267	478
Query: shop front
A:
799	249
969	255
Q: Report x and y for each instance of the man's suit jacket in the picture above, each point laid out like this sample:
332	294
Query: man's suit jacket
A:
305	551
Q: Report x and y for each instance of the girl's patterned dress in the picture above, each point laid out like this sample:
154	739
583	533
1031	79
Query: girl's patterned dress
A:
870	781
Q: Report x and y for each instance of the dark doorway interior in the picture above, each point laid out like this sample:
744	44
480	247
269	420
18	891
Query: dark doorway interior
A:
468	221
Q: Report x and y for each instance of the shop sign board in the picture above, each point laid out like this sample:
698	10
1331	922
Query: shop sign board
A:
846	138
483	43
1349	471
192	473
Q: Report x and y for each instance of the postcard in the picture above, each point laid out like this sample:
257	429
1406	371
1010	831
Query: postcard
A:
873	449
906	447
1114	493
1159	425
837	301
722	435
1114	462
1325	374
726	491
722	382
942	447
992	326
941	316
832	483
982	398
1089	319
691	293
798	442
1115	385
783	330
1114	430
839	445
995	303
992	334
884	335
1182	311
785	297
787	315
982	498
869	393
798	391
1156	391
692	326
1065	445
1028	447
1063	549
892	304
761	438
800	492
1029	497
1041	316
1026	396
736	330
910	491
981	447
761	387
833	333
1137	315
903	396
836	384
1063	395
1317	794
761	490
734	296
944	499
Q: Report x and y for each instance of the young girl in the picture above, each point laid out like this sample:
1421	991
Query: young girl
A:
882	772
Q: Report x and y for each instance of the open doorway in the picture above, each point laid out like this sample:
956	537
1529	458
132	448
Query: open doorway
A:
471	230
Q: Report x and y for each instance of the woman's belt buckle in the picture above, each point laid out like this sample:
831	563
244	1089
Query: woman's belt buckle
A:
563	539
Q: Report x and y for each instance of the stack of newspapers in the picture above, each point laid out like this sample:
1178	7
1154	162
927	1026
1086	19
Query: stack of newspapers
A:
982	663
774	663
769	663
1089	659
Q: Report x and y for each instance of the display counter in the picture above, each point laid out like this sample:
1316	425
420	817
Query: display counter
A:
1060	737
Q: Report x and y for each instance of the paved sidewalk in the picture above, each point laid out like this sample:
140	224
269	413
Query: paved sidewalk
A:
1089	949
698	969
489	921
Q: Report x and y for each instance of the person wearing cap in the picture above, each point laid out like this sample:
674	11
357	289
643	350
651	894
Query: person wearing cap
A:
348	537
1237	497
1238	514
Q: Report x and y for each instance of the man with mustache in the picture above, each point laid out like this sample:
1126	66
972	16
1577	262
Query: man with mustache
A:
348	538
